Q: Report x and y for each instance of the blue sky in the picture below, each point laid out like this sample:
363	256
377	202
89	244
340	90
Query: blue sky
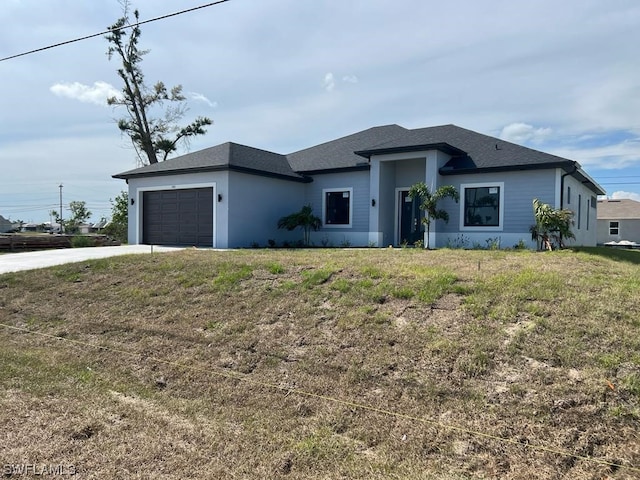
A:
282	75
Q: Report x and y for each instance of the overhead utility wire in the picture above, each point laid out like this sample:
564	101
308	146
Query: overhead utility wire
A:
113	30
619	183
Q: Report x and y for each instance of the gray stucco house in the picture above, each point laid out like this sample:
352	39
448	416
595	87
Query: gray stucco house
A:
5	225
618	221
232	195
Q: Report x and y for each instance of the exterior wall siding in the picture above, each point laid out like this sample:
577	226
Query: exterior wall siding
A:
249	206
409	172
217	180
577	198
358	233
520	188
256	204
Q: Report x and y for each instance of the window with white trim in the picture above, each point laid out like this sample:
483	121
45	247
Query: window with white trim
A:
337	207
614	228
482	205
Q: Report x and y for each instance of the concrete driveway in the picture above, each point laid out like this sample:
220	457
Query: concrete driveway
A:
14	262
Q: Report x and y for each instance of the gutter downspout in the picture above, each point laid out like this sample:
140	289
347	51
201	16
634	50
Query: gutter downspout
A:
575	169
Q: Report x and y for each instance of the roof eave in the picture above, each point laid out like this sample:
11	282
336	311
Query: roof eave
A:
297	177
505	168
352	168
214	168
590	182
178	171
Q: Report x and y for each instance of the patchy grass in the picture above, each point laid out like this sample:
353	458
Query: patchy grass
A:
326	364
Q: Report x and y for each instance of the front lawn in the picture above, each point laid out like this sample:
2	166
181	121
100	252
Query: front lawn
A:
314	364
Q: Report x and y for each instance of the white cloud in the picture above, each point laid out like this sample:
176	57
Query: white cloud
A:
329	82
198	97
622	194
612	103
522	133
97	94
574	71
619	155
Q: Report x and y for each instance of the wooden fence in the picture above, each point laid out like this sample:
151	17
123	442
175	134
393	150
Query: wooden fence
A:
16	242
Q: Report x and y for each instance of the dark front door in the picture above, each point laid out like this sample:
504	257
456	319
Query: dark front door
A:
411	228
178	217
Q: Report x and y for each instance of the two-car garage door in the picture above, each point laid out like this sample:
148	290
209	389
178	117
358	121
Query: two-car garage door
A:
178	217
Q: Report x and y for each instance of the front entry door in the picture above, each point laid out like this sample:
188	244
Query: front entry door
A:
410	226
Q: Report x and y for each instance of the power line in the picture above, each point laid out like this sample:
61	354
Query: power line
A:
619	176
619	183
113	30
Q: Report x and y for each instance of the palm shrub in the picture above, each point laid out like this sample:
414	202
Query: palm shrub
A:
304	219
552	225
429	202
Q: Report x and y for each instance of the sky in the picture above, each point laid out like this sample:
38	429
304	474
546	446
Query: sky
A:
283	75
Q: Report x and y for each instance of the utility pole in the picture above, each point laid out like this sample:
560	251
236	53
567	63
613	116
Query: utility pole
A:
61	227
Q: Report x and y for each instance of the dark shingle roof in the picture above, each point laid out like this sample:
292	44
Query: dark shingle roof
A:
618	209
473	152
470	150
340	153
227	156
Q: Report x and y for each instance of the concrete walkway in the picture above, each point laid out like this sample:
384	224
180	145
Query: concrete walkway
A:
14	262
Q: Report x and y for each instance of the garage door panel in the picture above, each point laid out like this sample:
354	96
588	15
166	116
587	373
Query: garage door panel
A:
178	217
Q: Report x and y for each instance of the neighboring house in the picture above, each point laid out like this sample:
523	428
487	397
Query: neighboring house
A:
84	228
5	225
33	227
99	226
232	195
618	220
51	227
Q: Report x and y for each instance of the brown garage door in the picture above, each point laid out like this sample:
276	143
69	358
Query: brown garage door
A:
178	217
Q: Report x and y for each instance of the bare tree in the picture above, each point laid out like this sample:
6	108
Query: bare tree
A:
151	136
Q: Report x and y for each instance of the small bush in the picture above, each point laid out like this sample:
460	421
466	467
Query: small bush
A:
520	245
116	231
81	241
493	243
